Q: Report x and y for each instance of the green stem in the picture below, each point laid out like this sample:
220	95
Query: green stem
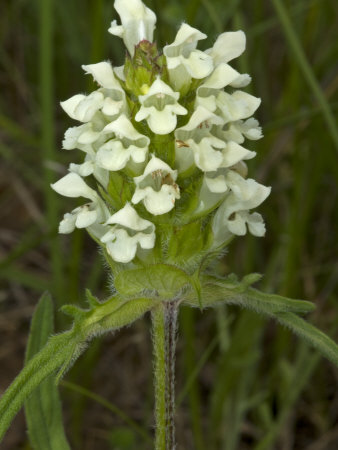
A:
171	311
158	335
164	320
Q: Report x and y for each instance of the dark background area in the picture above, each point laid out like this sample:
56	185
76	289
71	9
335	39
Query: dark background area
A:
243	382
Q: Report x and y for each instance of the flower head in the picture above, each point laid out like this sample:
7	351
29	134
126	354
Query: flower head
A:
163	138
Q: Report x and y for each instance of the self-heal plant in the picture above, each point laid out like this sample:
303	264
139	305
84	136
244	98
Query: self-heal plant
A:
165	177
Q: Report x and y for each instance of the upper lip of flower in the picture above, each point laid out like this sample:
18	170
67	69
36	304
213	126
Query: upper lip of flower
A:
138	23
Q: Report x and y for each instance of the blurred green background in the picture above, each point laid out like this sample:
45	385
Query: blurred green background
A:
243	382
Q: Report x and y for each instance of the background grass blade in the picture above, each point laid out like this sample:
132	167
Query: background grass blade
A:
43	408
306	69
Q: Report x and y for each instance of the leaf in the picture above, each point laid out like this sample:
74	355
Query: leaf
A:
217	291
319	340
43	408
163	279
62	350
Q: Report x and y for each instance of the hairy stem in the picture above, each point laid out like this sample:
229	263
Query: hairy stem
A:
170	347
158	334
164	320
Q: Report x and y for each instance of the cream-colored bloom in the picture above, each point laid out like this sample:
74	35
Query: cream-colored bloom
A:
228	46
83	107
127	144
159	107
128	231
233	215
211	151
156	187
236	106
103	74
138	23
184	60
72	185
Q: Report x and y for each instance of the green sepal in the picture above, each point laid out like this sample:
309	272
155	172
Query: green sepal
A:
120	190
72	311
188	242
141	70
159	280
91	299
43	408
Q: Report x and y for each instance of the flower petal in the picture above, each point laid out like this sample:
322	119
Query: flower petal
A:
72	185
67	224
103	74
228	46
85	217
128	217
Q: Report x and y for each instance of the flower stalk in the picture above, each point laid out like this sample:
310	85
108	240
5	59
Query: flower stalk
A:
164	330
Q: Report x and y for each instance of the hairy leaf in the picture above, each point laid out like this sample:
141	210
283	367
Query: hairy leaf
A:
216	291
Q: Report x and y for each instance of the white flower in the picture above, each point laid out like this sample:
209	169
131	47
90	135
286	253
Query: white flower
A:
184	61
90	167
72	185
210	151
128	231
160	107
156	187
75	137
127	143
228	46
236	106
114	96
83	107
233	215
138	23
195	137
103	74
222	76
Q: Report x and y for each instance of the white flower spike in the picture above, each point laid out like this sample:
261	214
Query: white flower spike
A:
138	23
156	187
135	110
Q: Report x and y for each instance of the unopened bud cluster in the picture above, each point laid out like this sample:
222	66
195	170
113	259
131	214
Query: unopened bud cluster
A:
164	168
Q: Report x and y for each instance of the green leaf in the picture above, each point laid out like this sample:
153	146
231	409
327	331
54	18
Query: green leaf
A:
319	340
62	350
163	279
43	408
216	291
